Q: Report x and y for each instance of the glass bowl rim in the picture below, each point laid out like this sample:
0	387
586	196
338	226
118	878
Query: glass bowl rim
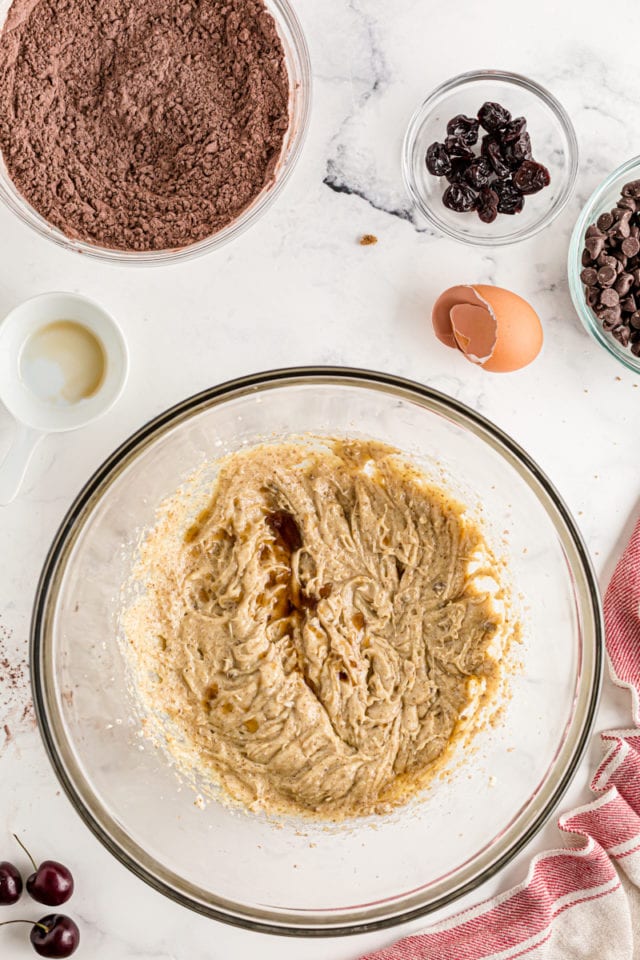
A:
508	77
574	268
301	92
100	482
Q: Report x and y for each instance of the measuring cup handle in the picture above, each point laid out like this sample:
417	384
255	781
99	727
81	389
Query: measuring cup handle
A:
14	466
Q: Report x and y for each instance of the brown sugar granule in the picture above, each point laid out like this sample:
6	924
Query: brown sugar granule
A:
368	239
141	124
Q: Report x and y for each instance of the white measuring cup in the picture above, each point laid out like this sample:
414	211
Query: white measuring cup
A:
36	416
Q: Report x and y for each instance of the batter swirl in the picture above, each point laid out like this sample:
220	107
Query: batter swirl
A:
320	636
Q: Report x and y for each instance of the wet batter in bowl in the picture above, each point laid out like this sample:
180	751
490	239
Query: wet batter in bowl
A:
323	633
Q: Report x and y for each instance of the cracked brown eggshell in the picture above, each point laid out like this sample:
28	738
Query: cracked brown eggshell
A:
491	326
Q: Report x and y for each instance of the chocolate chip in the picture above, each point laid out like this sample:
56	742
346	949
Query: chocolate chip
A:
635	349
623	284
593	295
586	258
632	189
595	246
594	231
627	203
589	276
623	228
628	305
630	246
610	317
609	297
622	334
604	221
634	320
606	275
620	213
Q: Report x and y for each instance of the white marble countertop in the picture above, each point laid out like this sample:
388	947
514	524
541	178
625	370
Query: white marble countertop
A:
316	296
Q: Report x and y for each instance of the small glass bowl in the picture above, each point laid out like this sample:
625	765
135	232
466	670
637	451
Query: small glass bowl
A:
601	201
552	136
299	67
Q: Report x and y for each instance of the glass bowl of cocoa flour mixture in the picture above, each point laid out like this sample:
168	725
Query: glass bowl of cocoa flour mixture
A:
152	132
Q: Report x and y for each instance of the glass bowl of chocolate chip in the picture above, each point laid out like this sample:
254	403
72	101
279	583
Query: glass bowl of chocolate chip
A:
159	135
490	158
604	265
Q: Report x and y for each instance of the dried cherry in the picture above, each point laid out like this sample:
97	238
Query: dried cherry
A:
459	167
496	177
456	147
493	116
487	205
479	173
465	128
515	151
438	160
514	129
531	177
491	150
510	200
460	197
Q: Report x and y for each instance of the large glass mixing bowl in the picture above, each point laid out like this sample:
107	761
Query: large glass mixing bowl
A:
295	877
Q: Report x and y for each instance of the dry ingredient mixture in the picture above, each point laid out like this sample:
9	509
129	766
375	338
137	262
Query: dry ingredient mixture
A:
141	124
322	633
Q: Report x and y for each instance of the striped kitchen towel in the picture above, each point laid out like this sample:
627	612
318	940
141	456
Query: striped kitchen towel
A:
573	904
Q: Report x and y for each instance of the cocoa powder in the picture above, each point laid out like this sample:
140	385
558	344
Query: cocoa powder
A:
141	124
16	706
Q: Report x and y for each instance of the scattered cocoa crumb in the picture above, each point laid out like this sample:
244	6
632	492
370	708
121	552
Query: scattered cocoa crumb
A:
368	239
16	706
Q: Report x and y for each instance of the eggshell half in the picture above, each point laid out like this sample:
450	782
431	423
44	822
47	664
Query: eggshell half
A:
441	314
475	331
519	337
491	326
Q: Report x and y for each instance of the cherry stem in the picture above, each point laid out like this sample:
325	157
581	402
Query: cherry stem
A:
18	840
5	923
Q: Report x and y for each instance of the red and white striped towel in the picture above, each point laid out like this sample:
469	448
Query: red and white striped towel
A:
573	904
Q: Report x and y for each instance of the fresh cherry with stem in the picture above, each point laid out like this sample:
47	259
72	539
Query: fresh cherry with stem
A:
53	936
51	883
10	884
